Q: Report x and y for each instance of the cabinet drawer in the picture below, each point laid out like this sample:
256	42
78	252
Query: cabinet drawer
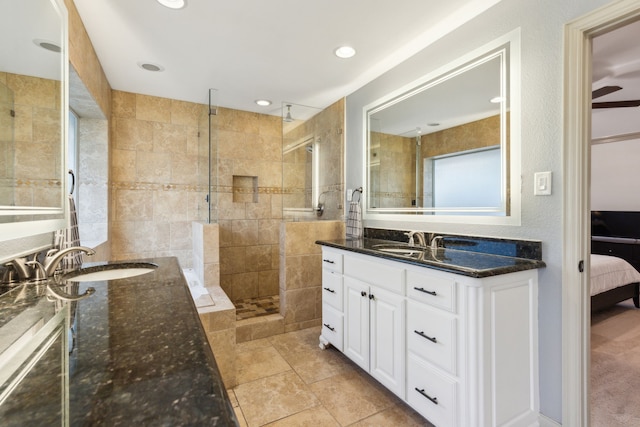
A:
430	393
332	289
332	326
332	260
384	275
432	335
433	290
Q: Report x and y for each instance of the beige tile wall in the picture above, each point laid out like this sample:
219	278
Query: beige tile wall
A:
6	143
249	145
153	177
301	270
85	61
35	152
206	253
92	183
219	323
478	134
393	180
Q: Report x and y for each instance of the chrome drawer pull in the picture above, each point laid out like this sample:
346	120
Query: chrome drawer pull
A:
426	291
329	327
330	290
423	335
328	261
432	399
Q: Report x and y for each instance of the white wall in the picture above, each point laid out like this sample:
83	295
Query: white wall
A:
615	176
542	24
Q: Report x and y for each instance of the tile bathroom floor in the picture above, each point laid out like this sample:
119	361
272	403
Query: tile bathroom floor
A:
287	380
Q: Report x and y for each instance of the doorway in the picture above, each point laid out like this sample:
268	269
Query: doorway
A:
576	204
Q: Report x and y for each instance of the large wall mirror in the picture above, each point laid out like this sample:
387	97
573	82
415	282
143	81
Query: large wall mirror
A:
33	116
446	147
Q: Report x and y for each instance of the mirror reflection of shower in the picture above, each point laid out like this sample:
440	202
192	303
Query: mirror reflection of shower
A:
312	162
287	118
7	146
417	203
301	176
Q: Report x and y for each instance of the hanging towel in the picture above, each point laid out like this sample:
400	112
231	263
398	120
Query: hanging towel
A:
70	236
354	219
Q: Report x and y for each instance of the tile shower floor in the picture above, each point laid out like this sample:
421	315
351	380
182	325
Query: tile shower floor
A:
287	380
254	307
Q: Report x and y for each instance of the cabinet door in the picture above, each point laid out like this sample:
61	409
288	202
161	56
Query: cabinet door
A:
356	319
387	339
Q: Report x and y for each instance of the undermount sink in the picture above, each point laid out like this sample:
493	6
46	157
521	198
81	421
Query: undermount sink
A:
400	249
413	252
110	272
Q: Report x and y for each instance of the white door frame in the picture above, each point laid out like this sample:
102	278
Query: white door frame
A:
576	302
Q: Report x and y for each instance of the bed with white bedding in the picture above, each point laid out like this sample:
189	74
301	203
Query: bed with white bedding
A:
613	280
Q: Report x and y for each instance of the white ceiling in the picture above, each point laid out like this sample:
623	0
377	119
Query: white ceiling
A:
616	61
281	50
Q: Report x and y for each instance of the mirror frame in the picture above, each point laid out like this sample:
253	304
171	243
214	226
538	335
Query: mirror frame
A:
512	194
25	227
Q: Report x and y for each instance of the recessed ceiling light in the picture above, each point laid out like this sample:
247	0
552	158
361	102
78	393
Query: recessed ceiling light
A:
47	45
345	52
173	4
150	66
496	100
433	124
263	102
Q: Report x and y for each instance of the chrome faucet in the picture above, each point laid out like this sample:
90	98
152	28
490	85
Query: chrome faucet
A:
53	259
418	235
19	265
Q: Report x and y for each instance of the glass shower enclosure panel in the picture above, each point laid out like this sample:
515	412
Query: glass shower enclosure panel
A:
207	194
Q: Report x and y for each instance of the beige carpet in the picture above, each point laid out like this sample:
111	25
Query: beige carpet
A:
615	366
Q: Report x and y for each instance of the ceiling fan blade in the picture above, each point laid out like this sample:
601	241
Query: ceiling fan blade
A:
616	104
605	90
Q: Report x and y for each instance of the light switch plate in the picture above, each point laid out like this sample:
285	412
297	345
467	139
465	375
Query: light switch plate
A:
542	184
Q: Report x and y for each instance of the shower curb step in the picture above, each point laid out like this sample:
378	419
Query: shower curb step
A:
259	327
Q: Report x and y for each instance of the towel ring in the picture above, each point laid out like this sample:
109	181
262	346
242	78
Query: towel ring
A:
359	191
73	180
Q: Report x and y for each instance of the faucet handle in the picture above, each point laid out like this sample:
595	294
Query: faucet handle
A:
51	252
20	265
10	274
37	270
410	234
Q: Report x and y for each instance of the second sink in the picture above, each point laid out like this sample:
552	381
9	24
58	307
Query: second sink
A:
110	272
400	249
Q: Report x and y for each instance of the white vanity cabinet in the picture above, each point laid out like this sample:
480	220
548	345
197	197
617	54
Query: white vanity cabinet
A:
332	291
461	351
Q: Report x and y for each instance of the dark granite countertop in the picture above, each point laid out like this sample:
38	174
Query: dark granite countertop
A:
466	263
132	353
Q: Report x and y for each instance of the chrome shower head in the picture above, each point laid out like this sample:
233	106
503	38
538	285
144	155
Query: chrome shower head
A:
288	117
